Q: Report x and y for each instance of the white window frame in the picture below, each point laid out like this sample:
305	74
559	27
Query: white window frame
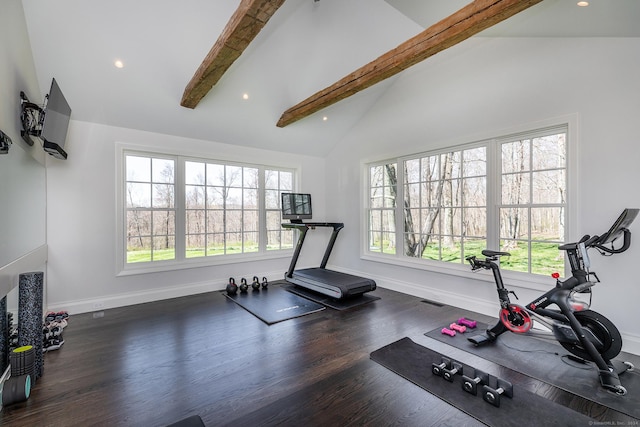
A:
181	262
520	279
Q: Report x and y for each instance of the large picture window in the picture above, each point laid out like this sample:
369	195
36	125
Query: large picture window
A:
150	209
180	209
506	193
221	207
533	202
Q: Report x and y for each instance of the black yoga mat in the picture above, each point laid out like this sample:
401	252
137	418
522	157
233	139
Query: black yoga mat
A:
274	304
413	362
336	304
548	362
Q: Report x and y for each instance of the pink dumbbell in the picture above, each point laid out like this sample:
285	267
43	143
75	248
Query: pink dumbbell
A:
467	322
449	332
458	328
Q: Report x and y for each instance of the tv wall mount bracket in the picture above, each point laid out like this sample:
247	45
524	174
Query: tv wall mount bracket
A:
31	117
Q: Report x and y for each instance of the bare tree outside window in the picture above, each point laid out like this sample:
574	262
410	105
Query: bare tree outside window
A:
221	209
445	202
533	201
150	209
228	209
382	204
276	183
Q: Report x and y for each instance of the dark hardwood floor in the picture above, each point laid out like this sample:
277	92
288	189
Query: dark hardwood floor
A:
154	364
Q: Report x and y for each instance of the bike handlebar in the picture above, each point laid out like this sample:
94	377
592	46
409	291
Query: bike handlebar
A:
593	242
626	242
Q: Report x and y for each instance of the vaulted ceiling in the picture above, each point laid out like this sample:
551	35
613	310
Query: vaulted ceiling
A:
306	46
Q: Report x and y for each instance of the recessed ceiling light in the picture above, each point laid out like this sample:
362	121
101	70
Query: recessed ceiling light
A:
245	96
118	63
583	3
325	118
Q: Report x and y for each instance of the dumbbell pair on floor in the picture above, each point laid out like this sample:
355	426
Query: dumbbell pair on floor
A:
461	326
492	387
232	288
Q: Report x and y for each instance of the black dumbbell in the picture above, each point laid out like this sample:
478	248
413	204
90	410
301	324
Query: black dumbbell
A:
492	395
243	285
449	374
438	369
256	283
232	288
470	385
264	283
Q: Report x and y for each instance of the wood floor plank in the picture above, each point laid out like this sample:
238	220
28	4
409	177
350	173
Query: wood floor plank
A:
154	364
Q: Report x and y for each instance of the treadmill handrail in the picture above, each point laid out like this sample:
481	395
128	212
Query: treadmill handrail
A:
304	227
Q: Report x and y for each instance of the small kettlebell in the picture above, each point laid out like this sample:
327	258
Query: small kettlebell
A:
264	283
256	283
243	285
232	288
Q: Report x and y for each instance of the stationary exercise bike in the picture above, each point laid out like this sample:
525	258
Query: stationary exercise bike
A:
585	333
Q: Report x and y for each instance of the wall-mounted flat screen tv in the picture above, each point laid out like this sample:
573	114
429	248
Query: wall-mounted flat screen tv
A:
57	115
296	206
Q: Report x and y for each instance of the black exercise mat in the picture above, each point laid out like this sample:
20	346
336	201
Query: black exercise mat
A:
274	304
413	362
337	304
546	361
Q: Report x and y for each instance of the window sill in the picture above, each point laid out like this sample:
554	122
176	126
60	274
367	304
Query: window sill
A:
173	265
535	282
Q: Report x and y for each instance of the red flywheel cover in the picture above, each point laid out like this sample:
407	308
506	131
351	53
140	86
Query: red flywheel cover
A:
518	322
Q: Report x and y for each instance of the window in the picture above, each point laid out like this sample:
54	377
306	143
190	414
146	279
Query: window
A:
533	202
181	209
150	209
382	190
506	193
277	182
221	209
445	204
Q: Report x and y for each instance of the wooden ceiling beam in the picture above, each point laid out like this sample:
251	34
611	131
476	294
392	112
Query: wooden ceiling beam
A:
466	22
245	24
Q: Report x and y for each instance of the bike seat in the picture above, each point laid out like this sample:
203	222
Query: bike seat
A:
490	253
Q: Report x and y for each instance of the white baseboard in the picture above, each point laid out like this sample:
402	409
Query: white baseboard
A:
631	342
441	296
140	297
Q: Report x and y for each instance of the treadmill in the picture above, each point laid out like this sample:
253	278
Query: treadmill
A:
319	279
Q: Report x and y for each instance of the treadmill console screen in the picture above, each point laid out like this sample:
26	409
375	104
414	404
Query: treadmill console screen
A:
296	206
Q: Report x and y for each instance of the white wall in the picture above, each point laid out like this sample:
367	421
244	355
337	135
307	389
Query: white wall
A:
82	221
481	88
22	176
487	87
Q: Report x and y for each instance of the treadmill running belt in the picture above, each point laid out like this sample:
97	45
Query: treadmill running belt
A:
332	283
